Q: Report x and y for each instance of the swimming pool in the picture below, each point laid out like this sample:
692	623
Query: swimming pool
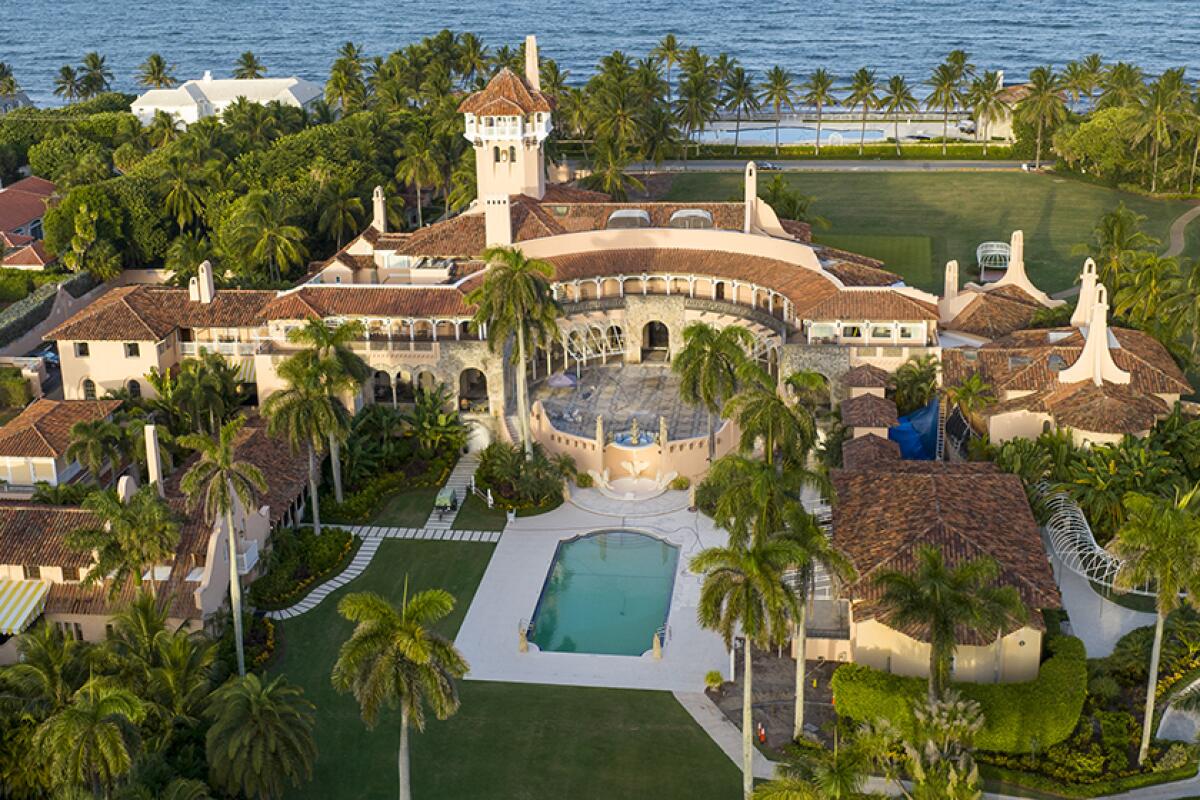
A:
607	592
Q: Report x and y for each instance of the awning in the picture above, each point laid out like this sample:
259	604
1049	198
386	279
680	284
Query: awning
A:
20	604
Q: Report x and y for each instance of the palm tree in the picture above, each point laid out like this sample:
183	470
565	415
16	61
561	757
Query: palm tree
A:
95	444
97	77
1159	113
915	383
395	658
610	171
8	82
51	668
669	52
658	134
264	233
216	483
1116	233
941	598
762	413
971	394
155	73
418	166
985	99
1159	543
779	92
68	85
708	365
753	500
341	211
179	682
134	537
1042	105
515	299
864	92
261	739
944	96
1121	85
340	369
185	186
820	774
744	587
92	741
164	129
249	67
818	92
740	96
695	106
898	99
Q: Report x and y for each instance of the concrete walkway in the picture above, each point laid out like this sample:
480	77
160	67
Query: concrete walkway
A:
1178	228
1098	622
460	482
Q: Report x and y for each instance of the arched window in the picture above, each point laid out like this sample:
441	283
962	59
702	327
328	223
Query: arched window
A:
135	389
512	155
496	154
89	389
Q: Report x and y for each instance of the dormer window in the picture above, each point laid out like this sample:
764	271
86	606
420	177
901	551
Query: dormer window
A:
626	218
691	218
1016	362
1056	363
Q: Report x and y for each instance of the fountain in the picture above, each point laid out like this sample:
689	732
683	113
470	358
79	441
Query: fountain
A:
635	437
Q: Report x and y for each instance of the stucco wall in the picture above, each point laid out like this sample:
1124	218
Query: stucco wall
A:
1013	658
108	366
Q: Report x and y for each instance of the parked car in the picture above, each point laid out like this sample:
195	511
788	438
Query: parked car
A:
768	166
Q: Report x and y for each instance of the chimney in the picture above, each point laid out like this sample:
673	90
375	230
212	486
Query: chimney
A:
194	290
379	218
750	195
497	221
126	486
532	72
1096	363
1016	257
1087	295
950	281
153	459
206	290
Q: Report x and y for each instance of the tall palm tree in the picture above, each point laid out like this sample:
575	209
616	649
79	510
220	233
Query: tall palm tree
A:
249	67
942	598
94	445
864	93
1159	543
68	84
708	365
134	536
186	187
970	395
179	682
1159	114
695	106
51	668
740	97
418	166
164	129
669	52
215	484
610	171
915	383
779	92
1116	233
753	499
658	134
944	96
264	233
818	92
339	369
93	740
897	99
1121	85
8	81
97	77
787	430
473	56
395	658
341	211
515	300
744	587
156	73
261	739
1042	105
985	99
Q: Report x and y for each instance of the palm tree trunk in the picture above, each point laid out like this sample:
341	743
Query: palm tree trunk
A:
312	488
896	131
402	758
1037	161
335	464
1152	683
235	593
945	128
818	150
1192	174
1154	170
737	130
747	724
712	438
420	218
778	122
862	136
522	393
801	641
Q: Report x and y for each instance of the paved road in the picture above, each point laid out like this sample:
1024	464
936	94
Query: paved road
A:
1175	246
734	165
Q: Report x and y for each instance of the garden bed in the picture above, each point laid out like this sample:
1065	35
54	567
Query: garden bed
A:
1004	779
363	502
300	560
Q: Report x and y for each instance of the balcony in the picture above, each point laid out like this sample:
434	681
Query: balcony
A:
224	348
247	556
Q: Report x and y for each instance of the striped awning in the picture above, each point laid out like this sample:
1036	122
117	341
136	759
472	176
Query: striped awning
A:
246	370
20	604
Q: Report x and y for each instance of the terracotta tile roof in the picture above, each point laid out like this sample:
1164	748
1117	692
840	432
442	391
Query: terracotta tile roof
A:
43	428
800	231
867	376
33	185
802	286
10	240
870	450
853	274
506	95
1083	406
882	516
31	255
1030	360
868	411
33	535
19	207
381	301
996	313
877	306
564	193
148	313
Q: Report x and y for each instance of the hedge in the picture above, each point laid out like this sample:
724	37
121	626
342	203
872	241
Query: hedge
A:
359	505
22	316
1056	788
14	389
1019	717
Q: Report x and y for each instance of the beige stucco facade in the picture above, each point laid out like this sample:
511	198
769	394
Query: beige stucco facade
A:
1012	658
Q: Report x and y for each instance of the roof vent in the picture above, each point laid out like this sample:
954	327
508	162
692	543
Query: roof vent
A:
628	218
1018	361
691	218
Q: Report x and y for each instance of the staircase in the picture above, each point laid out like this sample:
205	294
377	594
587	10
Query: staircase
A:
460	482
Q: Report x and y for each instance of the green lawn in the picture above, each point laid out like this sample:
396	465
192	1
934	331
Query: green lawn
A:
956	211
507	740
474	515
407	509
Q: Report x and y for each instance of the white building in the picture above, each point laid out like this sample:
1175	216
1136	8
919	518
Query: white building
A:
209	96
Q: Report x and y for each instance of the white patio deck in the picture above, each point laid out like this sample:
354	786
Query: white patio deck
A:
509	591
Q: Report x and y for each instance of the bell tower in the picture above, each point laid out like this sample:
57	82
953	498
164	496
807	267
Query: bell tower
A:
507	122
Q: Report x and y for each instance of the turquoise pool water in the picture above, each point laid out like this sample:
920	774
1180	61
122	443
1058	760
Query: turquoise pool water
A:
607	592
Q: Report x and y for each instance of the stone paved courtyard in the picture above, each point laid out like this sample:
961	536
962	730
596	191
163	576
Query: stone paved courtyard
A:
619	393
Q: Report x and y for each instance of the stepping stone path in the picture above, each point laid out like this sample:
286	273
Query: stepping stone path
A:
373	535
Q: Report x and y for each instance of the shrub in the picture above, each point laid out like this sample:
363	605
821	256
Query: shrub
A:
713	679
299	559
14	285
519	483
1176	756
584	480
681	483
359	505
14	389
1020	717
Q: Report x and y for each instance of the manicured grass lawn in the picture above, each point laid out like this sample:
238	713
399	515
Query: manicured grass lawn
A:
474	515
408	509
507	740
956	211
911	256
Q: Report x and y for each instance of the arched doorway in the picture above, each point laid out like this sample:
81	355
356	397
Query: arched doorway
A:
383	388
425	381
656	342
472	391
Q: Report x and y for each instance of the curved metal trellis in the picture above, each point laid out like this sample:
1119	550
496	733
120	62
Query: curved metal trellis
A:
993	255
1075	546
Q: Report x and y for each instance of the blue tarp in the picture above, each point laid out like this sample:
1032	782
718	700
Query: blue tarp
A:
917	433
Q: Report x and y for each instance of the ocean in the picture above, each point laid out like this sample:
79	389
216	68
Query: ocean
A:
301	37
